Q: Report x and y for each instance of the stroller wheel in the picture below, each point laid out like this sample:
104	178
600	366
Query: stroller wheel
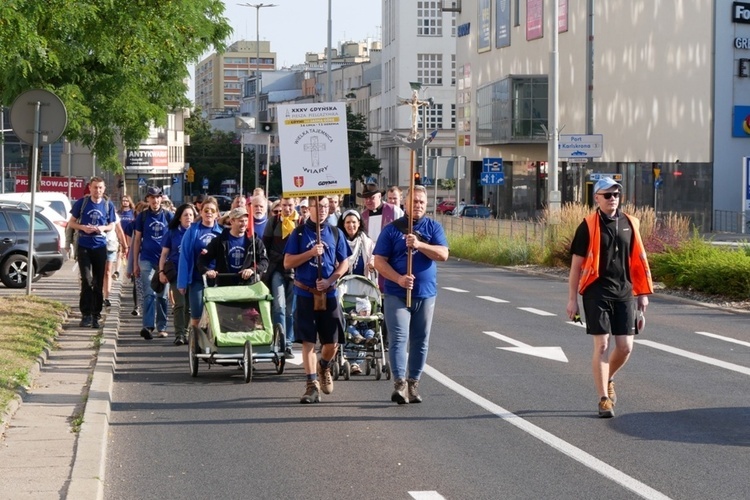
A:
378	369
192	353
280	363
335	370
387	370
247	361
347	370
368	367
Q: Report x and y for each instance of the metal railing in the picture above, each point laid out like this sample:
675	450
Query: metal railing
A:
728	221
528	231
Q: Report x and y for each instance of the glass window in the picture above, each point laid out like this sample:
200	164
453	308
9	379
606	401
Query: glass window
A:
429	19
513	109
430	69
3	223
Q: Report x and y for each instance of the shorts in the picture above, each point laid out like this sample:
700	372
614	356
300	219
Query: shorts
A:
609	316
112	256
311	326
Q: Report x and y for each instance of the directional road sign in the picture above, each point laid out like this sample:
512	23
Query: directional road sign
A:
581	146
492	178
492	165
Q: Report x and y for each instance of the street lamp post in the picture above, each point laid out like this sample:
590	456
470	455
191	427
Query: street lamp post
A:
257	7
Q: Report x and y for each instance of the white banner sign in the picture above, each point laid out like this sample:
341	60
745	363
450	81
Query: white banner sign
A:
314	149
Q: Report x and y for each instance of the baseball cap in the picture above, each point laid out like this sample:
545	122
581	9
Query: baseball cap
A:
605	183
303	203
236	213
153	191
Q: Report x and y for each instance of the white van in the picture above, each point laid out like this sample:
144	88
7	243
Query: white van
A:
59	202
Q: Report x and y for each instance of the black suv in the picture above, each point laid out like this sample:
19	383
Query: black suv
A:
14	245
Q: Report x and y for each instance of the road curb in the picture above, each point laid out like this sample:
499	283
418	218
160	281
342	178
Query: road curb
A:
89	462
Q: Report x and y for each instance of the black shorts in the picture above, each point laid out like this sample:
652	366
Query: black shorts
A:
310	325
609	316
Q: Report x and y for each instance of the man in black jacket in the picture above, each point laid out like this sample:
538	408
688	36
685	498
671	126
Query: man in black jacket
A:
235	253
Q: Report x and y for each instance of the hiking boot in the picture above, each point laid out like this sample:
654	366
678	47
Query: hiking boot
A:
180	340
312	393
414	396
611	392
399	392
146	333
357	338
606	408
326	379
85	322
95	323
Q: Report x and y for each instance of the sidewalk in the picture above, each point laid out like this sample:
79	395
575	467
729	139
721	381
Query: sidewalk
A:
41	457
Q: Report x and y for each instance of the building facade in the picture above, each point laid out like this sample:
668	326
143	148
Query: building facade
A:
658	81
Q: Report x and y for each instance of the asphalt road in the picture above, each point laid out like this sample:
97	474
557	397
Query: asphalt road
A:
502	418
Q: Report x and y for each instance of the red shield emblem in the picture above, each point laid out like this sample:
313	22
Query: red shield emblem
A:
299	181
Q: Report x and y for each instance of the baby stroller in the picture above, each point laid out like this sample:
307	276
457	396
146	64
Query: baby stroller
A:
236	329
353	290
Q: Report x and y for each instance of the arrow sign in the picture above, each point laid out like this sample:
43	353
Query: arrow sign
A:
492	178
553	353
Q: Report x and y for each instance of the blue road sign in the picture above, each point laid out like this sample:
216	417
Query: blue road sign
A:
205	183
141	182
492	179
492	165
428	181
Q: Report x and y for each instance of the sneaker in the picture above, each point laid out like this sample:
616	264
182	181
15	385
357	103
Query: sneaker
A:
399	392
135	312
606	408
414	396
288	353
180	340
355	369
146	333
357	338
162	334
371	342
312	393
95	323
86	322
611	392
116	276
326	379
107	303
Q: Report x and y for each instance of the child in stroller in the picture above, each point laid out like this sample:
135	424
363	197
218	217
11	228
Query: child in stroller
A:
361	331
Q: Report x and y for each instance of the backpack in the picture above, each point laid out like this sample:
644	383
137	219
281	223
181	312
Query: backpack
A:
71	235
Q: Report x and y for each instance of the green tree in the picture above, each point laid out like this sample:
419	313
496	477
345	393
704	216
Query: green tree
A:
215	154
118	65
362	163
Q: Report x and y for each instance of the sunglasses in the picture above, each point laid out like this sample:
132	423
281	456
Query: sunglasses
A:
608	196
209	211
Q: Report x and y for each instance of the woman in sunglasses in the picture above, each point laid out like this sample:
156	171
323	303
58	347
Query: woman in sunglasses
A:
610	271
194	242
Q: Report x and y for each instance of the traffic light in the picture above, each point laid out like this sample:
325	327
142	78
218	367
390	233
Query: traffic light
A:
266	127
417	178
263	175
120	183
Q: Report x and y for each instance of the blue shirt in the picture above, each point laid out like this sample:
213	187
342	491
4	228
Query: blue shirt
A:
172	242
307	272
97	214
392	246
259	226
126	221
153	227
235	253
204	237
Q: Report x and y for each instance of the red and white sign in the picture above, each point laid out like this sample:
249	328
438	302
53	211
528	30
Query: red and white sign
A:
78	185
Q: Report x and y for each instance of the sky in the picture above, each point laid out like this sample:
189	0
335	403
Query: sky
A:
295	27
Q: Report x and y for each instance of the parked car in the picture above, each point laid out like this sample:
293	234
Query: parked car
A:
473	212
59	202
446	207
14	246
225	202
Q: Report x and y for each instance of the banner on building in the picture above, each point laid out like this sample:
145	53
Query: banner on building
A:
502	23
314	149
147	158
484	20
78	185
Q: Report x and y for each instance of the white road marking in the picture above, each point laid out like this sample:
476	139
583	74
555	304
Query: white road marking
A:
553	353
297	361
451	289
426	495
725	339
492	299
550	439
582	325
533	310
696	357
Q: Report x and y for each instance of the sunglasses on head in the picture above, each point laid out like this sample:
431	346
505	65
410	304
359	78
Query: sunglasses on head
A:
607	196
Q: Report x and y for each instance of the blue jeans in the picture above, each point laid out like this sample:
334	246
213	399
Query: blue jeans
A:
408	326
151	300
195	299
282	308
